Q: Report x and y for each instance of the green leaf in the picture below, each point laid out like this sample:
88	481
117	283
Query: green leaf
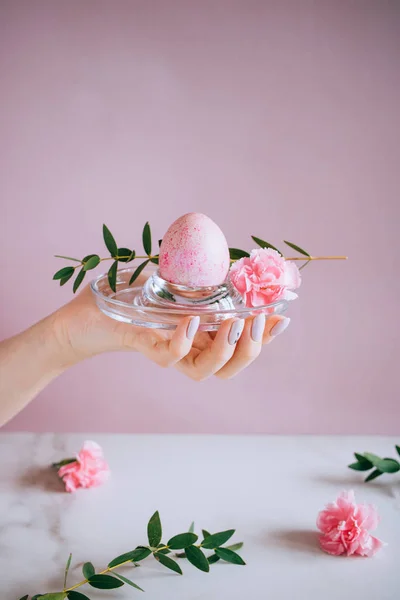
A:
398	450
154	260
64	280
110	241
191	528
138	271
373	458
66	258
264	244
24	597
64	272
235	547
79	278
88	570
168	562
363	460
360	466
67	566
213	559
126	253
105	582
140	553
182	541
147	239
163	550
154	530
77	596
236	254
91	262
36	596
56	596
205	533
128	581
388	465
62	463
375	473
128	556
297	248
229	556
217	539
112	276
303	266
197	558
159	243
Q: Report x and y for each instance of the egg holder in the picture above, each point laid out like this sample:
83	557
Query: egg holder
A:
155	303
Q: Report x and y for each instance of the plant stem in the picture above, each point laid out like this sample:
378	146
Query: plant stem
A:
108	570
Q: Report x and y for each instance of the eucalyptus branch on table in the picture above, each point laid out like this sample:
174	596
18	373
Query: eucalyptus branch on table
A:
125	255
368	461
183	541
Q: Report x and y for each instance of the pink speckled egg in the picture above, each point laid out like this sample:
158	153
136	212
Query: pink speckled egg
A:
194	252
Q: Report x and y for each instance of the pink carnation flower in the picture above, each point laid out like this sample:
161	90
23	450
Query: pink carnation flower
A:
89	470
264	277
345	527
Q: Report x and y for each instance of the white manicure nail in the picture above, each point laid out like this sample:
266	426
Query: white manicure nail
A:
236	331
279	327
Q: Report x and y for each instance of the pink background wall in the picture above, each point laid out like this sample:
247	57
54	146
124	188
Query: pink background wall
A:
278	119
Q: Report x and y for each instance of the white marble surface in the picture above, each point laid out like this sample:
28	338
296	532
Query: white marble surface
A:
268	488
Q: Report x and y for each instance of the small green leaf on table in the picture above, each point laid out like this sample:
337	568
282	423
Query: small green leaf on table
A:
373	458
229	556
123	558
140	553
191	528
56	596
128	581
205	533
67	566
217	539
388	465
182	541
168	562
154	530
375	473
77	596
88	570
163	549
105	582
398	450
213	559
110	241
197	558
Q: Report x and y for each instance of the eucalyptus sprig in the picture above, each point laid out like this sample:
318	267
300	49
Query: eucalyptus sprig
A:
126	255
187	541
368	461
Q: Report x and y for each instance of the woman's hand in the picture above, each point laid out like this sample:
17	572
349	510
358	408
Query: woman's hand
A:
85	331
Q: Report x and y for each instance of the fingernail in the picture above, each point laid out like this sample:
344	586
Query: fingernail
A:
279	327
236	331
257	328
192	327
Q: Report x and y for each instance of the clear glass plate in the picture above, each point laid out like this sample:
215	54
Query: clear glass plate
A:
153	302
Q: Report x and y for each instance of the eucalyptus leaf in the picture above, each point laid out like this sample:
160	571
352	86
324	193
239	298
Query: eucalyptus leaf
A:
159	243
235	547
182	541
67	566
361	459
264	244
140	553
229	556
128	581
77	596
297	248
88	570
105	582
36	596
138	271
123	558
213	559
24	597
91	262
236	253
112	276
388	465
154	530
55	596
79	278
205	533
217	539
64	272
191	528
62	463
357	466
197	558
64	280
398	450
375	473
168	562
303	266
66	258
110	241
373	458
163	549
154	260
125	255
147	239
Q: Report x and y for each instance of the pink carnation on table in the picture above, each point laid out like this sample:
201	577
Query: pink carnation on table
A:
345	527
89	470
264	277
